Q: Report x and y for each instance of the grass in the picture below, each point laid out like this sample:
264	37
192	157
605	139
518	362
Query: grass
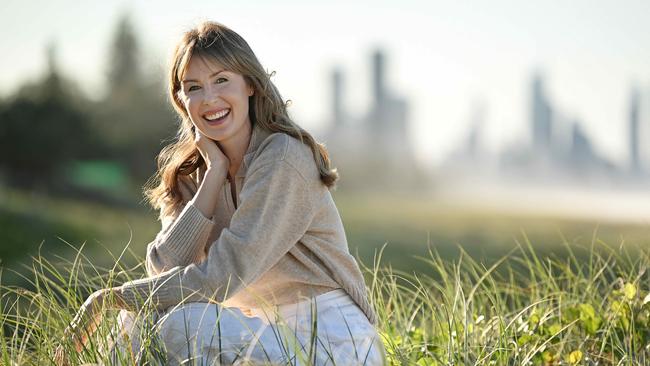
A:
562	293
588	307
32	223
524	309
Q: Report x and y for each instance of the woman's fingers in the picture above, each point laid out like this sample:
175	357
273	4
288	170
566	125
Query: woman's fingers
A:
77	335
60	356
84	324
86	321
210	151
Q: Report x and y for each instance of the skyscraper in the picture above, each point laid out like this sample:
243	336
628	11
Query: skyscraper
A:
635	164
387	121
337	97
379	91
374	153
541	117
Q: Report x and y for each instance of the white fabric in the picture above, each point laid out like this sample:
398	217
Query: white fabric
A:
210	334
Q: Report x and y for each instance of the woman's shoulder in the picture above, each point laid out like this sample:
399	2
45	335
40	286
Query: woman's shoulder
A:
281	147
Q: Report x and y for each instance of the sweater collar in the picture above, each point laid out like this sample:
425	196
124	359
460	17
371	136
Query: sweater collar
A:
258	135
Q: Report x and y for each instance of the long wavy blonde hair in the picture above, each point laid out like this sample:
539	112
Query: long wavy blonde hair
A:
266	109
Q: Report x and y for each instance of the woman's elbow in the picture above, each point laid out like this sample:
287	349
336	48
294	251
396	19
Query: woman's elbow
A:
154	263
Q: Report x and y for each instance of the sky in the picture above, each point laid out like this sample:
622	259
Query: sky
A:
445	57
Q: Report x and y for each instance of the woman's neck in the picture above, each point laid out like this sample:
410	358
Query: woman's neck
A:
235	148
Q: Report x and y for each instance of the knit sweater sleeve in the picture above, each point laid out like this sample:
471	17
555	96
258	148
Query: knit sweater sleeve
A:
182	238
275	211
180	242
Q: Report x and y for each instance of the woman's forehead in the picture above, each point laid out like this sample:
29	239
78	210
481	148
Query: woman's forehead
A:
199	64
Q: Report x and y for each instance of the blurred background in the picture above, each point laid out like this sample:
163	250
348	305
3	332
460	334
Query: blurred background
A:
453	125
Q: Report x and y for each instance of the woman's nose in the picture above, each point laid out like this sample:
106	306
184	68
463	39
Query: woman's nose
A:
211	95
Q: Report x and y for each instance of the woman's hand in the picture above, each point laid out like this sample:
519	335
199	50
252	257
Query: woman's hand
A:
84	324
61	357
211	152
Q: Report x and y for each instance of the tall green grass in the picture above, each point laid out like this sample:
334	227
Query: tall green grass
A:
589	307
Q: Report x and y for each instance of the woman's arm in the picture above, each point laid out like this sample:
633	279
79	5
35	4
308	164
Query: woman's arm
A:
184	240
205	199
180	242
183	237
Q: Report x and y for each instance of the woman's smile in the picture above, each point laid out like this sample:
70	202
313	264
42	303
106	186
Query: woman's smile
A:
215	118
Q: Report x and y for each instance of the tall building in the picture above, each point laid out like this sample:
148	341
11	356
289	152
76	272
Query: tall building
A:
337	97
581	150
559	150
541	117
386	123
378	87
635	162
375	152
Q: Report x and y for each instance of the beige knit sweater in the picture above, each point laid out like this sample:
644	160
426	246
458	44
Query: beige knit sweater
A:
280	242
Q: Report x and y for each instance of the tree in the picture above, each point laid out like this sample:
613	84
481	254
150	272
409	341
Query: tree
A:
134	117
124	71
42	130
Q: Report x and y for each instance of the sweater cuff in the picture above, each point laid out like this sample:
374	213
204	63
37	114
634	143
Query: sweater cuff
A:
188	234
158	291
161	291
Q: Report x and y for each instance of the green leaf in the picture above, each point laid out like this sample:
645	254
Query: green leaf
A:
588	318
524	339
547	356
554	328
426	361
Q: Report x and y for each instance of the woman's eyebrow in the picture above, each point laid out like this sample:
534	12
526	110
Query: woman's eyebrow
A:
196	81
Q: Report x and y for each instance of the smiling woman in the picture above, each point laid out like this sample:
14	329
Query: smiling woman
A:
252	245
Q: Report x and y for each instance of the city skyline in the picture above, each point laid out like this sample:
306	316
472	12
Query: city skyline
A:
558	150
443	56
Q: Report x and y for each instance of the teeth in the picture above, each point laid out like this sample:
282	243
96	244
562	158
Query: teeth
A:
217	115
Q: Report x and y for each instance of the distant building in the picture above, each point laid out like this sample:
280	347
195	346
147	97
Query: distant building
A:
581	154
635	162
470	158
387	123
541	117
372	151
338	116
560	149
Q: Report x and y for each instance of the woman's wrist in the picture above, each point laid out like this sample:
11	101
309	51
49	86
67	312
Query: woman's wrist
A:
205	198
113	298
216	170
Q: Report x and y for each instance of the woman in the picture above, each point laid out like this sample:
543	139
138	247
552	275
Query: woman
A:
251	242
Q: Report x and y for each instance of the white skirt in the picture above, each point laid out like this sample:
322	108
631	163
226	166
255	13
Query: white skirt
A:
209	334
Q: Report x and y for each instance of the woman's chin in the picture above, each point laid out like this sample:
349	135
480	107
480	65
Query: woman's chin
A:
216	133
216	137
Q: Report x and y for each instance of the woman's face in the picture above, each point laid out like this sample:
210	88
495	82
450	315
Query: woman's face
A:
216	99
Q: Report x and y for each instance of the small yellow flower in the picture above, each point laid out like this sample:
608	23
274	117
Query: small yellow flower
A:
575	357
629	290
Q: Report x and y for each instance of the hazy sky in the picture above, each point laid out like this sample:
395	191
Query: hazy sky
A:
444	57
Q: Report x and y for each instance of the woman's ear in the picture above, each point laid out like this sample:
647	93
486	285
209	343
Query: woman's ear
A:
251	91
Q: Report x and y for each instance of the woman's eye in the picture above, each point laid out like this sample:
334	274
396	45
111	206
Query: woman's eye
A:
220	80
193	88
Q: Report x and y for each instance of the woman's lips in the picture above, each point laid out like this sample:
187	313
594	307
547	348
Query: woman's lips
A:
217	117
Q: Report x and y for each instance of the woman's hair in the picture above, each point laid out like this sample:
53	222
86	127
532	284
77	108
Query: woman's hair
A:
211	40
